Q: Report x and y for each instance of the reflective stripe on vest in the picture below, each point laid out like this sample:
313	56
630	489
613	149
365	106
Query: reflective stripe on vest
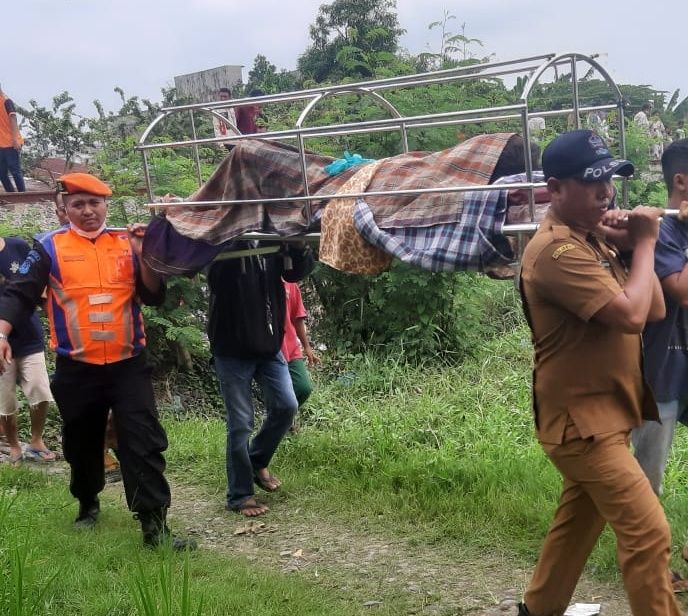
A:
93	313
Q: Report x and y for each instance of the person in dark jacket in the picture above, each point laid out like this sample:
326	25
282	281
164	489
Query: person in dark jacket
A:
245	328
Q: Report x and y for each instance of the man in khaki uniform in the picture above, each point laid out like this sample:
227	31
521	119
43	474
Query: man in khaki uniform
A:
586	313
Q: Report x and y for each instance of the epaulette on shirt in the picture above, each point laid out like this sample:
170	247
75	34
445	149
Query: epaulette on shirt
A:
560	232
553	237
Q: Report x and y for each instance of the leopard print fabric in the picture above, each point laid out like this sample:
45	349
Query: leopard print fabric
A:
341	246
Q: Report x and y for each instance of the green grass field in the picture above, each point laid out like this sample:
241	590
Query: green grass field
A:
431	453
436	455
46	567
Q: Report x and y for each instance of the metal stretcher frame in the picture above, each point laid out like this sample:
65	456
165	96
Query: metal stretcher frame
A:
534	67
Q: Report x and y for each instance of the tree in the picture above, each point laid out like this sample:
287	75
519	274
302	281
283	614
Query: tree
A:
351	38
57	130
264	76
451	45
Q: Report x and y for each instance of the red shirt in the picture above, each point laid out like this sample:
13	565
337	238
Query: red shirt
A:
291	347
246	119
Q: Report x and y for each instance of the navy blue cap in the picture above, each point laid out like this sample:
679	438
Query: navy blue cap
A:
582	154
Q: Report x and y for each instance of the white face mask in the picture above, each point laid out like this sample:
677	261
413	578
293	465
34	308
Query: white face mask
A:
91	235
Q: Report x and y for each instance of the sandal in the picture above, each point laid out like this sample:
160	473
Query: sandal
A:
249	508
269	483
40	454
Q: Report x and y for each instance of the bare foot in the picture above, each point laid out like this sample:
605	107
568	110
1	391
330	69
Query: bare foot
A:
16	454
251	508
265	480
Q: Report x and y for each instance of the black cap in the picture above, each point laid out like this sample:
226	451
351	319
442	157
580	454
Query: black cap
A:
582	154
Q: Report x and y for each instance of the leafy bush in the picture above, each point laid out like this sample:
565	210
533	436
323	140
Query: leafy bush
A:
419	313
176	330
638	146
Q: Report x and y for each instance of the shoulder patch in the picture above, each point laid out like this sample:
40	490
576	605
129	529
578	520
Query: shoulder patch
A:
561	250
31	258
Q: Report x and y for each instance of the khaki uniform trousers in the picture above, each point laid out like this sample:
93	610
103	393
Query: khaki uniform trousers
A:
603	483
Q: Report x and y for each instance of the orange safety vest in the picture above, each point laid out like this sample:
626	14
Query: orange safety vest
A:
6	130
92	307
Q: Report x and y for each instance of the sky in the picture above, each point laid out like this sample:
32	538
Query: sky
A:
88	47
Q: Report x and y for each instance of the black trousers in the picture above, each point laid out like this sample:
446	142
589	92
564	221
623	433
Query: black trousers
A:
84	393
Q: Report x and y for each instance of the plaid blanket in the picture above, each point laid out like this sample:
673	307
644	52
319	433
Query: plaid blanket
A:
472	243
258	169
475	242
470	162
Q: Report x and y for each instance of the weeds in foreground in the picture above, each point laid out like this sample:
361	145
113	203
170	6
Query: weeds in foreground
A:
158	595
27	597
49	569
21	592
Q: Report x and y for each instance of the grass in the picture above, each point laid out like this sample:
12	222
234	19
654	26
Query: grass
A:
47	568
437	455
430	453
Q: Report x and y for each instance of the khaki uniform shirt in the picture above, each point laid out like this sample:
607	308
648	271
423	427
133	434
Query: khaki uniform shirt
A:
588	377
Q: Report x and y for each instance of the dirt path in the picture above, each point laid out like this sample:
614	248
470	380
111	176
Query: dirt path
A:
365	570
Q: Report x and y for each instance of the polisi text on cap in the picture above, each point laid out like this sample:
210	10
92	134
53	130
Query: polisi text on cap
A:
600	171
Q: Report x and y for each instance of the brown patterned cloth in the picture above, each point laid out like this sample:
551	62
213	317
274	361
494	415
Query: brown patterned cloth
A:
469	163
256	169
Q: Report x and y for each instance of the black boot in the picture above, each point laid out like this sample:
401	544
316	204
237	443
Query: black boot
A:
156	532
88	514
523	610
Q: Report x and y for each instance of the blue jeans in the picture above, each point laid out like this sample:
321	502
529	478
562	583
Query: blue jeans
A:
246	455
652	441
9	162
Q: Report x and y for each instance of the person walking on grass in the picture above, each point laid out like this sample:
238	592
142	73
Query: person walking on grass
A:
246	329
27	370
586	313
666	342
95	279
296	346
10	146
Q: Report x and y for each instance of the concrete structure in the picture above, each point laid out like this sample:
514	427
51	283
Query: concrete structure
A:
202	86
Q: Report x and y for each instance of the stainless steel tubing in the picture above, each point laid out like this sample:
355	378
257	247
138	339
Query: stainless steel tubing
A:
530	227
473	70
378	193
336	129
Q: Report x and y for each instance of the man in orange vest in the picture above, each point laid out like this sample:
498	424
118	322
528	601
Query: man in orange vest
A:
10	145
95	279
112	472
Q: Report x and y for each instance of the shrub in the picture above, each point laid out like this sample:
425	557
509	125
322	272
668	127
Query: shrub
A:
419	313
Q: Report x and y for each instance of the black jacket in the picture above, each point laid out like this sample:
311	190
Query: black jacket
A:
247	302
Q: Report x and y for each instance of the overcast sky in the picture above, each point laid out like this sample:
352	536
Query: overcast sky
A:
89	46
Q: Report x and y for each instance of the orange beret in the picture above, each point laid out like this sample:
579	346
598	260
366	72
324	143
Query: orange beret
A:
72	183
